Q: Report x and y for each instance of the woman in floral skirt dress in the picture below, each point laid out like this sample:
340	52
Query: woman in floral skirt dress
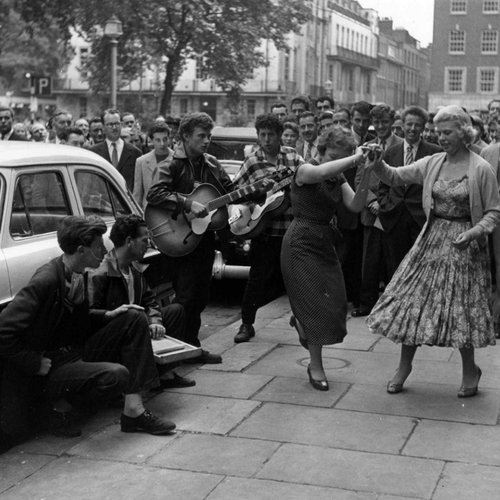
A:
440	293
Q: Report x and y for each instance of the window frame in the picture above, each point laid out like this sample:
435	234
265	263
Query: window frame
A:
495	71
483	33
447	70
488	12
450	41
458	12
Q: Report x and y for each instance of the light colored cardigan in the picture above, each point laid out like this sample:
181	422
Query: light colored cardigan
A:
484	197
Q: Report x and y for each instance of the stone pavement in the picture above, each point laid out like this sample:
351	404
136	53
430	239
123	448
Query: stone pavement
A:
253	428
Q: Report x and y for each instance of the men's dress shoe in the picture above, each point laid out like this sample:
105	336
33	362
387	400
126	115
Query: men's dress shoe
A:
467	392
62	424
205	358
319	385
148	423
245	333
358	313
393	388
176	381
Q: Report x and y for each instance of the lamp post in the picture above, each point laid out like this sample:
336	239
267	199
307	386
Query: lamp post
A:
113	30
328	86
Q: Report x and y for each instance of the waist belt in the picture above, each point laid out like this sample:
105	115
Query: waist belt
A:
454	219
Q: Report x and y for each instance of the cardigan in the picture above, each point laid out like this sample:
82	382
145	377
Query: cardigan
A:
484	197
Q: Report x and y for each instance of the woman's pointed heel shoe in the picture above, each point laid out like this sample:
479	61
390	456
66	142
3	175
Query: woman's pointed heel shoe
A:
319	385
468	392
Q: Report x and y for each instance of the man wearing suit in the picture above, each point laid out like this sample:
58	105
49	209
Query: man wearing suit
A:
146	167
307	147
120	154
373	253
400	207
59	125
7	133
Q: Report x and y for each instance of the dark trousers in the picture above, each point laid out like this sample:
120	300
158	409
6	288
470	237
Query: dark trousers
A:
399	240
265	281
116	358
350	252
174	321
373	269
192	275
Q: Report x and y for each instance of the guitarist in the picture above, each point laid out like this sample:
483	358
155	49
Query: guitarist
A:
265	280
190	166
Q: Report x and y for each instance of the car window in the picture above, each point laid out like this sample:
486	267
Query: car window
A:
230	150
40	202
99	196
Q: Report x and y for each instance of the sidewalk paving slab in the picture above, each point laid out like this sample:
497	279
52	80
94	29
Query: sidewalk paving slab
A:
468	481
79	479
455	442
224	384
16	466
229	456
355	470
202	413
300	392
327	427
432	401
233	488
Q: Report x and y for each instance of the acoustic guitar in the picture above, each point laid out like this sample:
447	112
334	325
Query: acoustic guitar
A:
249	220
179	235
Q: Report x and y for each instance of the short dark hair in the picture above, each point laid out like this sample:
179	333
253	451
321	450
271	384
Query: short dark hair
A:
96	119
192	120
4	108
307	114
278	105
125	226
128	113
157	128
362	107
337	138
326	98
415	110
380	110
325	114
302	99
269	121
72	130
491	102
292	126
110	111
76	230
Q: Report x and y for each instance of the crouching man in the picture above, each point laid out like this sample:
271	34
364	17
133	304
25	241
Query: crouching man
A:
49	337
119	281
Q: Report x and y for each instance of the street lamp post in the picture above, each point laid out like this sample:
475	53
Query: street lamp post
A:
328	86
113	30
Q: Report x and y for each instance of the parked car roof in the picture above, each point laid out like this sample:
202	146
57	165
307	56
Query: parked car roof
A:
230	133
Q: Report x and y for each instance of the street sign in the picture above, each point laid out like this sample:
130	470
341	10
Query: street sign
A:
41	85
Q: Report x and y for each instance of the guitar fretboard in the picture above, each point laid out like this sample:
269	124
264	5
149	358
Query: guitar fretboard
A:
233	196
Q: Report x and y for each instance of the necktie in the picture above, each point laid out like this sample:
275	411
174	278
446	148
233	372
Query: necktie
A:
409	155
382	144
114	155
307	151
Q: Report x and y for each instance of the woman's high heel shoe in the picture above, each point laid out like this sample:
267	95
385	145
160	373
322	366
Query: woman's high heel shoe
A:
467	392
319	385
295	324
396	388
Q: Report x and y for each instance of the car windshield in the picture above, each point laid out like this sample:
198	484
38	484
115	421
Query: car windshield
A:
230	150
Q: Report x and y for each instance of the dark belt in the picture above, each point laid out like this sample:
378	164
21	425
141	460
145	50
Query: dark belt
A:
453	219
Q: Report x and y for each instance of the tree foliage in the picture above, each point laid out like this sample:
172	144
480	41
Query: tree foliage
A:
226	34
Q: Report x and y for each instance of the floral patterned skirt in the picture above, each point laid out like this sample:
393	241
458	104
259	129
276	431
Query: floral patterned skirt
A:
439	295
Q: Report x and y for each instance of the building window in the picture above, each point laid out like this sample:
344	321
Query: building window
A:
487	80
286	69
490	6
368	88
454	80
251	108
457	42
83	106
84	57
201	74
458	6
184	106
489	42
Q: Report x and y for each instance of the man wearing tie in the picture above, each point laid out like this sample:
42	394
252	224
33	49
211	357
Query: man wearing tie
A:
373	268
308	147
120	154
400	207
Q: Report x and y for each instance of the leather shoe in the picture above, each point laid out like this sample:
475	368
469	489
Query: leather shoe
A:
393	388
62	424
176	381
468	392
148	423
358	313
319	385
245	333
205	358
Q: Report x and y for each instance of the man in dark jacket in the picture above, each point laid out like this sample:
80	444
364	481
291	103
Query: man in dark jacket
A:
190	166
119	280
48	338
400	207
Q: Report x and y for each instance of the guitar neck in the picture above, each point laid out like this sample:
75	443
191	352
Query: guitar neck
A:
233	196
282	184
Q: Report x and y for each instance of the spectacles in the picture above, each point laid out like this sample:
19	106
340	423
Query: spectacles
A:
113	125
5	118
